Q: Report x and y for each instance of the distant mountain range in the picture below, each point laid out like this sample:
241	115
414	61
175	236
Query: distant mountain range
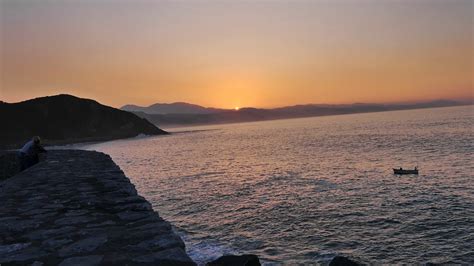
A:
64	119
172	108
67	119
190	114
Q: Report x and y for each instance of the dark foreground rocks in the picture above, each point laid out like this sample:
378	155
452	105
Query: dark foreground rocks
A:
343	261
78	208
232	260
9	164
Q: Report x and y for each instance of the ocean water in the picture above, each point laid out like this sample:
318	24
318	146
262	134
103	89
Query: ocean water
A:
301	191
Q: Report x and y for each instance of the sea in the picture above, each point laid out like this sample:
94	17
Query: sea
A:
301	191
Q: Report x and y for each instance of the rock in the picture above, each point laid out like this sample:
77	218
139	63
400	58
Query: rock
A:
150	219
132	215
74	220
44	216
39	211
83	246
233	260
53	206
18	226
85	260
23	255
102	224
48	233
142	206
174	256
160	242
343	261
53	244
7	219
5	249
75	213
9	164
144	231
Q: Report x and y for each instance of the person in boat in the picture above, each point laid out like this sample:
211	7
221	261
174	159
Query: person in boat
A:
29	154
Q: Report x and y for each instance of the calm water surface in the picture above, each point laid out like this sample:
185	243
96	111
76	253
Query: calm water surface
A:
303	190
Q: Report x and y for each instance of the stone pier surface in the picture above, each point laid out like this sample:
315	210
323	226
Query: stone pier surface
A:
78	208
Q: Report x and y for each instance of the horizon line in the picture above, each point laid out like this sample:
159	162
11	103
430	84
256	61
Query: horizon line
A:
468	100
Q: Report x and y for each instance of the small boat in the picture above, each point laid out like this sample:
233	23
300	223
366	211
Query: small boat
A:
402	171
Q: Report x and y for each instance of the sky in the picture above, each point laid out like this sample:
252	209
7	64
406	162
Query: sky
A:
223	53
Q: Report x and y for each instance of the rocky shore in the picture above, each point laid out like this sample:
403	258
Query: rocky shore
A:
78	208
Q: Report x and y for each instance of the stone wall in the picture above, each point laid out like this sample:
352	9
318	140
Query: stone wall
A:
78	208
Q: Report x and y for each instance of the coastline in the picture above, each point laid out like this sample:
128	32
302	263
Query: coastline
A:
79	207
170	127
74	142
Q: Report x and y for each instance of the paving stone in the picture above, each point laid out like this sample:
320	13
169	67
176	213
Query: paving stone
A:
53	206
48	233
76	212
5	249
83	246
102	224
142	206
54	244
43	216
74	220
8	219
132	215
84	260
23	255
18	226
165	257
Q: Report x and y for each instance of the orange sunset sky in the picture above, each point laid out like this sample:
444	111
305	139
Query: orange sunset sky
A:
261	53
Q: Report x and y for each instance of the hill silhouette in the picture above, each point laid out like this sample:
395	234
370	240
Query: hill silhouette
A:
67	119
296	111
172	108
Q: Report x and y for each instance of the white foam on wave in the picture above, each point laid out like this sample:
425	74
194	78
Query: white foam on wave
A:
203	251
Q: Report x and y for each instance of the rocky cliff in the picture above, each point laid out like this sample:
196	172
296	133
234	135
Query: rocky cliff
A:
67	119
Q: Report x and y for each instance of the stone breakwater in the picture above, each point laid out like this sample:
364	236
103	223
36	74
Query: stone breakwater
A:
9	164
78	208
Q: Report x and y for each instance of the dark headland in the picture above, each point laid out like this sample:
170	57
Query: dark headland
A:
63	119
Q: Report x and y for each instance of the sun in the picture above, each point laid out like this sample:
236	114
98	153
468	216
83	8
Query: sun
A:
237	108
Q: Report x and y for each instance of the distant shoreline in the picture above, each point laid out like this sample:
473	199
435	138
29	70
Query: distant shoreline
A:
61	144
172	126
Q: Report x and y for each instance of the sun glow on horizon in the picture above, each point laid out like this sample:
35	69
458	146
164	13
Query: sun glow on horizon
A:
227	54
